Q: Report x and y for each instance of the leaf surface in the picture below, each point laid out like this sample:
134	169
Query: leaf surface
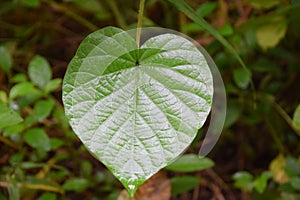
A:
8	116
136	109
39	71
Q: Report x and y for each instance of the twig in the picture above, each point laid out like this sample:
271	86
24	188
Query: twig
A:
9	143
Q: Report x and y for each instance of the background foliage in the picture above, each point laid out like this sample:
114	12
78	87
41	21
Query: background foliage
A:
257	155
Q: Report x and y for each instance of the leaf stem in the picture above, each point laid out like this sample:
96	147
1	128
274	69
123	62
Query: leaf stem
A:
140	22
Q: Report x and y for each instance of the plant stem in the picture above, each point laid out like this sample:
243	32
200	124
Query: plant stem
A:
140	22
114	8
72	14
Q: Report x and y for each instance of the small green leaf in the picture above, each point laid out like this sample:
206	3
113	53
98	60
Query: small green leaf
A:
39	71
23	89
8	116
37	138
14	129
260	183
269	34
182	184
76	184
242	78
55	143
226	30
232	114
292	166
31	3
18	78
53	85
42	109
259	4
3	96
206	8
191	28
5	59
296	118
243	180
48	196
190	163
295	182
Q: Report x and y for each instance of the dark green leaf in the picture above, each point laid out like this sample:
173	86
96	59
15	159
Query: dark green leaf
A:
242	78
181	184
31	3
243	180
48	196
260	183
76	184
206	8
23	89
295	182
5	59
8	116
56	143
37	138
296	118
42	109
292	166
39	71
18	78
190	163
52	85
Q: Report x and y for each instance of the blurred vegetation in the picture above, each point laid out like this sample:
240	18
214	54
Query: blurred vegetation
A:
258	154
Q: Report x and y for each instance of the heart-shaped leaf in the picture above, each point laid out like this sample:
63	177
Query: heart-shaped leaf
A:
136	109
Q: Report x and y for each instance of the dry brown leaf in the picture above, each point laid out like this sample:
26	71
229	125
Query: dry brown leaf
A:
158	187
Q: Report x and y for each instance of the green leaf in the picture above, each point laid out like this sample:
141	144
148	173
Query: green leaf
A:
37	138
42	109
31	3
233	113
296	118
206	8
8	116
14	129
190	163
136	109
242	78
292	166
5	59
23	89
260	183
269	34
56	143
48	196
76	184
295	182
52	85
18	78
226	30
39	71
182	184
259	4
243	180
